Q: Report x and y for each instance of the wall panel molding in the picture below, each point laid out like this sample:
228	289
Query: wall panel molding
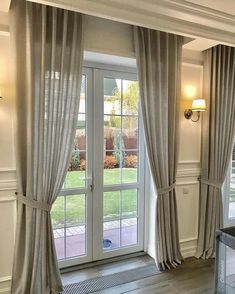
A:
7	185
7	179
188	172
5	285
7	199
188	248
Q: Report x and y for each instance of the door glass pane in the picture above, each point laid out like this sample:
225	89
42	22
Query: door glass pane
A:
111	235
59	236
130	92
232	187
112	96
112	150
129	224
112	205
111	226
130	167
129	232
69	225
58	213
77	166
82	103
129	203
130	132
112	176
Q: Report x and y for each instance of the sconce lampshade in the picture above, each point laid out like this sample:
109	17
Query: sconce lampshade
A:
199	105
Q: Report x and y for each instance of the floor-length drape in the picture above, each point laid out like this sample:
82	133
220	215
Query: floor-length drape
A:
158	57
217	141
48	57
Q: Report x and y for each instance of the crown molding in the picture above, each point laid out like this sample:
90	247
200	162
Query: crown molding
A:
175	16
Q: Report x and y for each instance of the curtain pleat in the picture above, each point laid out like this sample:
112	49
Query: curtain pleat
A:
48	54
218	130
159	57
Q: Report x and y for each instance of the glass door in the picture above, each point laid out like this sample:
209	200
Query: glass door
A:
72	210
99	212
118	190
229	193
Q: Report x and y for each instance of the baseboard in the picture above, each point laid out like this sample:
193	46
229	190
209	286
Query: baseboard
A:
188	247
5	285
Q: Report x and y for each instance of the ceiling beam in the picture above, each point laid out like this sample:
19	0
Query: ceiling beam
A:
200	44
175	16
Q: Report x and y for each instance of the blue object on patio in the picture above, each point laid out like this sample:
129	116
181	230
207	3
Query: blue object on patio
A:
107	243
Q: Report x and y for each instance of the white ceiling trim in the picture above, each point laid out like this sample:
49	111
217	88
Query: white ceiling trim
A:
175	16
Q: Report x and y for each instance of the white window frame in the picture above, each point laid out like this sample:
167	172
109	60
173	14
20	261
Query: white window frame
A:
228	221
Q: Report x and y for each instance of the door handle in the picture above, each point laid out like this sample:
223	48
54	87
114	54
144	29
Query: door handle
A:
89	182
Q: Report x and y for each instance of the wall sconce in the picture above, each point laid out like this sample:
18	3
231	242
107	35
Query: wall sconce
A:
198	105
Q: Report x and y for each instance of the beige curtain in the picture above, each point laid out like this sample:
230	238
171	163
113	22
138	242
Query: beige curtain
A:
159	71
217	141
48	58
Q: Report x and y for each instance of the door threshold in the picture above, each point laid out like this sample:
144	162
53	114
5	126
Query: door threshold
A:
100	262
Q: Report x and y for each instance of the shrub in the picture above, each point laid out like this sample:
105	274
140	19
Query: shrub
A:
75	159
82	164
110	161
131	161
118	145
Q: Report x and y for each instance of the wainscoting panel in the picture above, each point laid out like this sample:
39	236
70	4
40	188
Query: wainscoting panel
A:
5	285
187	195
7	228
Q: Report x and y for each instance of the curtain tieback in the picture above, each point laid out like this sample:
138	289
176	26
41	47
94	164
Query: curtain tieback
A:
166	189
34	203
212	183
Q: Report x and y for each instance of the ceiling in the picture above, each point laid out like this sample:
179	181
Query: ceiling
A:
226	6
4	5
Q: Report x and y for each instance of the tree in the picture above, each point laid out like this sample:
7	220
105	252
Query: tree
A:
129	98
118	144
75	158
114	121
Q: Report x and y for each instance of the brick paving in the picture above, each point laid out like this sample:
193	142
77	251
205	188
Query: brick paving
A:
75	242
76	230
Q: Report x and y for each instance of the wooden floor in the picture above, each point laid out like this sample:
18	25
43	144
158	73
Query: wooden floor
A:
194	276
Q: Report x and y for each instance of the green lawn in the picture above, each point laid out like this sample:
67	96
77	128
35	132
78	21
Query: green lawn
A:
232	195
75	179
72	208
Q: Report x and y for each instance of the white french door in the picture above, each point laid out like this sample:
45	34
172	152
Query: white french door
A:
229	193
100	211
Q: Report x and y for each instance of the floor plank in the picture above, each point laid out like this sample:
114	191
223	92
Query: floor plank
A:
194	276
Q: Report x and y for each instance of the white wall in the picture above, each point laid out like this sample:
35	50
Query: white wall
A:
115	39
187	185
109	37
7	167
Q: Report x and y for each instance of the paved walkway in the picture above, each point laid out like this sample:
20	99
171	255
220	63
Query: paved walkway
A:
72	231
232	210
74	243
